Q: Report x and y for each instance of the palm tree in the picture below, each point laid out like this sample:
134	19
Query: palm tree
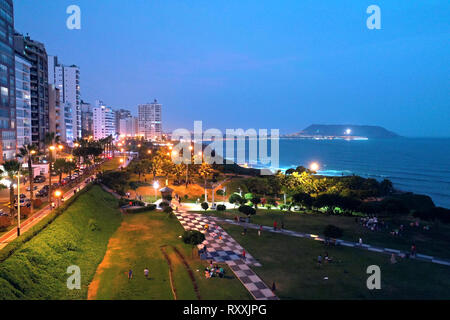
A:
11	168
50	140
29	151
205	171
60	167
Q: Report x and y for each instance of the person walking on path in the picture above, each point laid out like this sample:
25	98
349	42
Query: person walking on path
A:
130	274
146	273
243	254
275	225
360	242
319	260
259	230
413	250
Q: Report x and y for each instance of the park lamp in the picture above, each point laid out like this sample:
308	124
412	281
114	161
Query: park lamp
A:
156	185
52	148
58	193
149	151
314	166
33	152
60	147
191	148
76	145
121	160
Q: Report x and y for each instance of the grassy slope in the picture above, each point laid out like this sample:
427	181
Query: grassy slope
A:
434	242
292	264
38	269
136	245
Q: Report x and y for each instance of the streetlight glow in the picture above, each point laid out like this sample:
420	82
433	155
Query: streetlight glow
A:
314	166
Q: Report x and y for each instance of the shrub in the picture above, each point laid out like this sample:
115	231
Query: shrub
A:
193	237
5	222
235	198
205	206
332	231
247	210
248	196
221	207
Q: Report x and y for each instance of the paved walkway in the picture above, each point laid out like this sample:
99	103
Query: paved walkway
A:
221	247
368	247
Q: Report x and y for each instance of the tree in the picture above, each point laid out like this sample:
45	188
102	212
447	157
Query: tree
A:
235	198
302	199
247	210
50	140
60	166
11	168
205	171
256	201
28	151
332	232
386	187
193	237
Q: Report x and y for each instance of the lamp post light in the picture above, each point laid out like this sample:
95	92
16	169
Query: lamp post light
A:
58	194
314	166
18	203
156	186
187	164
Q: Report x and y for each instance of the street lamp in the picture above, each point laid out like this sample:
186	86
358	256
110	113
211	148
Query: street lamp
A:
18	203
156	186
58	194
314	166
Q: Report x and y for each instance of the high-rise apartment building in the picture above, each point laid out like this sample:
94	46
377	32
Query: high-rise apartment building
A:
57	123
67	80
23	101
7	82
128	126
87	118
121	114
150	120
35	52
104	121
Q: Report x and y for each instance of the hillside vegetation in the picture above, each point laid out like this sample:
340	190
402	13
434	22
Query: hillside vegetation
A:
78	237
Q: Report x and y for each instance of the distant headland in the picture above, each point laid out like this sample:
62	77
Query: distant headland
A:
340	131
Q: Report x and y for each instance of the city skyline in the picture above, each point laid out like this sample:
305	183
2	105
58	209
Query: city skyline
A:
306	63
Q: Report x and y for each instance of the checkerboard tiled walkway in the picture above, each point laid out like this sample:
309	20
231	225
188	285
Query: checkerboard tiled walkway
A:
339	242
221	247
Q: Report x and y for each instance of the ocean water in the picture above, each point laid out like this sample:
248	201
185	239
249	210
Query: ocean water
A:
420	165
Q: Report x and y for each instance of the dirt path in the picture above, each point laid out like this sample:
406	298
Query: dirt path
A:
189	270
169	263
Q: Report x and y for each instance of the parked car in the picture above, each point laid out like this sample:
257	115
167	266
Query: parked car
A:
39	179
34	188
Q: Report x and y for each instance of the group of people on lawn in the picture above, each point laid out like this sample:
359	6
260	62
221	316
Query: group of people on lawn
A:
214	271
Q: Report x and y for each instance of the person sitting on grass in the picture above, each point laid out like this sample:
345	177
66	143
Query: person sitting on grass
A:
327	258
221	272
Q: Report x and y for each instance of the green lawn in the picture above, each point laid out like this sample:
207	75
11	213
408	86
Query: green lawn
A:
434	242
37	270
111	164
137	245
292	264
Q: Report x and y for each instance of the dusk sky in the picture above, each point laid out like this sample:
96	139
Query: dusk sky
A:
258	64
